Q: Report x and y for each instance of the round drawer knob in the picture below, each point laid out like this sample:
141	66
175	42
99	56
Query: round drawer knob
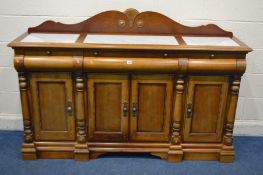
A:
48	52
165	55
212	55
95	53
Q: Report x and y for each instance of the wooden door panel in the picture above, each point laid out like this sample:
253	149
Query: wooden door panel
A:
152	96
48	119
106	96
151	107
107	106
206	106
51	95
207	98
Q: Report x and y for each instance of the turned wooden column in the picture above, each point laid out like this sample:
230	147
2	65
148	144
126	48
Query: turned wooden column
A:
81	147
227	154
175	153
28	147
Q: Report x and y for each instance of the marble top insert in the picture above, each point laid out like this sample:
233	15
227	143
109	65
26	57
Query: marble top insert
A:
51	38
130	39
209	41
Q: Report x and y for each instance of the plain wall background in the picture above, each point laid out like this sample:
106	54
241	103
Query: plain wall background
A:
243	17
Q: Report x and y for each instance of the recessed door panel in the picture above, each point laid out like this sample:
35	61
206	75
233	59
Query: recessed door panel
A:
205	108
108	99
48	119
151	107
108	107
52	106
206	105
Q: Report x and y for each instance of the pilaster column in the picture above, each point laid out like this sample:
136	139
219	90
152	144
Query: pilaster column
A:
227	153
28	147
81	147
175	153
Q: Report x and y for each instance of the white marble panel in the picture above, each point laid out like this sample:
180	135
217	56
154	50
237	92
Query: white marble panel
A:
209	41
130	39
50	37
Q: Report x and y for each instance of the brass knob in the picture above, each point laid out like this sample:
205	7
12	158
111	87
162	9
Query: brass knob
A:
189	110
48	52
125	109
134	109
69	108
95	53
212	55
165	55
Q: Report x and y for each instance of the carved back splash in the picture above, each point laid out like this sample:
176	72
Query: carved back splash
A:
130	22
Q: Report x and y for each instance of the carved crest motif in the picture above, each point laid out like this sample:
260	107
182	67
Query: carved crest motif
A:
130	22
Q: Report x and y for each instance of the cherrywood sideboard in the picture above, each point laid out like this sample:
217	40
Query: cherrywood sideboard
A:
129	82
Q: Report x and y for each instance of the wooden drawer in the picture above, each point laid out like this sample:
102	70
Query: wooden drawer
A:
130	64
45	52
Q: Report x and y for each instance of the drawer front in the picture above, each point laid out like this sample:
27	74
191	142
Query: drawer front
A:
111	64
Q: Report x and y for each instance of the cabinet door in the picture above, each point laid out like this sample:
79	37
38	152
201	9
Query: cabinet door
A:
108	107
205	109
150	108
52	106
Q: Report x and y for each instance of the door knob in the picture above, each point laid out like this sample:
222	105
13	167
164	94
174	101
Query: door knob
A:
69	108
125	109
134	109
189	110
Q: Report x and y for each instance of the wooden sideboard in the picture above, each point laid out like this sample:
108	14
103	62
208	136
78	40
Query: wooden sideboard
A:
129	82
